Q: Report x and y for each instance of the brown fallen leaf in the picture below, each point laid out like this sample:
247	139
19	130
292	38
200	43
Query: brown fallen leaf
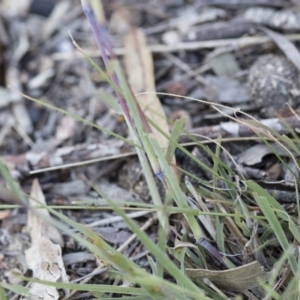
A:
237	279
44	257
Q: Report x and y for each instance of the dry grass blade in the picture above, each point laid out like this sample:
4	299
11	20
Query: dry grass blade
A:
289	49
139	68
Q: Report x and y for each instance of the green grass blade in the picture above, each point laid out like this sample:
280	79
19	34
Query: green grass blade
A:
160	255
18	289
266	207
2	293
110	101
175	189
13	185
177	129
100	288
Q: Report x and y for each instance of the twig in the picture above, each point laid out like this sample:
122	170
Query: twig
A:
187	46
228	129
25	162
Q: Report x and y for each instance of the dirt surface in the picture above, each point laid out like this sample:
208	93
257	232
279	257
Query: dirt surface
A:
218	51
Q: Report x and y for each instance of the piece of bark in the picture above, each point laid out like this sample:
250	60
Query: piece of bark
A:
220	30
184	21
234	4
287	20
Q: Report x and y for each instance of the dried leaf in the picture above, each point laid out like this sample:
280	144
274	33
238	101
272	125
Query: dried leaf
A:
139	67
225	90
287	47
19	109
54	21
66	128
113	235
66	189
44	257
117	193
238	279
255	154
225	65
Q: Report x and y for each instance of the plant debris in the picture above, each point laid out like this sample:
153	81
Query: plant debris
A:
222	77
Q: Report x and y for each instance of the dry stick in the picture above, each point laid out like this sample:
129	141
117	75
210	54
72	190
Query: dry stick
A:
115	219
226	130
185	67
65	157
187	46
133	237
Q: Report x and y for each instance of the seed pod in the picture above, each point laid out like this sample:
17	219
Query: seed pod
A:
273	82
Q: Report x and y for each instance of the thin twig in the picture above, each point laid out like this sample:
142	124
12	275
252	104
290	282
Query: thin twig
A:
186	46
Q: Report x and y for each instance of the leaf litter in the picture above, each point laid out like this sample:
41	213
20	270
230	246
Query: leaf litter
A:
44	257
214	46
